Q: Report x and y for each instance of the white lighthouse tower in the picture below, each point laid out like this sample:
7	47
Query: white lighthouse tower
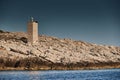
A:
32	31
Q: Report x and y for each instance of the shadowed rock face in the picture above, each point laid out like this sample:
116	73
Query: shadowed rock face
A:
54	53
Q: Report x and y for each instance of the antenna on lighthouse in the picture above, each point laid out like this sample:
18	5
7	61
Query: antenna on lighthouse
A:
32	19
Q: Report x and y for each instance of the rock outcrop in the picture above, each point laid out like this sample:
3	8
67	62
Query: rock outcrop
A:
54	53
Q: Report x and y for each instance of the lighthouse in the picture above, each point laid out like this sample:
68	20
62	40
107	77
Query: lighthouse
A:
32	30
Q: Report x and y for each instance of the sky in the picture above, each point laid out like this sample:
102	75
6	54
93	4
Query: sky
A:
94	21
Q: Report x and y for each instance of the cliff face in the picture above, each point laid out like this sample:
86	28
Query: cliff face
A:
51	53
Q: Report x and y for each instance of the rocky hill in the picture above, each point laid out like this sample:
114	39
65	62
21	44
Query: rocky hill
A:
54	53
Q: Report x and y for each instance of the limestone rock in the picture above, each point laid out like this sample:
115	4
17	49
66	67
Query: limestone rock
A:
13	45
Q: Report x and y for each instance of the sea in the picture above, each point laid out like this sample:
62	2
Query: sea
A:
104	74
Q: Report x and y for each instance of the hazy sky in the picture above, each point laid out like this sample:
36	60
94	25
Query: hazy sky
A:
95	21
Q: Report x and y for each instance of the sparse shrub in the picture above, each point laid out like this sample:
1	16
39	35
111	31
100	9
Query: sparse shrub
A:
94	54
23	39
1	31
17	64
62	59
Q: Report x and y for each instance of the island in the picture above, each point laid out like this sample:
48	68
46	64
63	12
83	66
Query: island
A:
51	53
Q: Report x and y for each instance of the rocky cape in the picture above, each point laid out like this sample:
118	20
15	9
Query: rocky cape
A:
51	53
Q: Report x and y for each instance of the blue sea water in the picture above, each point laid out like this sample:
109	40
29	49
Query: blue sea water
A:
106	74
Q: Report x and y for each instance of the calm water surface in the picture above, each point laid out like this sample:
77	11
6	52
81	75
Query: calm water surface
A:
108	74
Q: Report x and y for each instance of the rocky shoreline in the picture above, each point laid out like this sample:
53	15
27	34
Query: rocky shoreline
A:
51	53
36	63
